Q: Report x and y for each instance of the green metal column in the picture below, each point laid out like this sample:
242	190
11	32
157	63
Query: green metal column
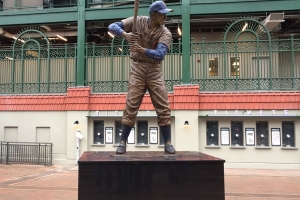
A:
81	38
16	4
186	38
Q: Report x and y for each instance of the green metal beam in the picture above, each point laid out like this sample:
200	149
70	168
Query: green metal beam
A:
52	16
216	7
122	13
186	38
81	38
199	7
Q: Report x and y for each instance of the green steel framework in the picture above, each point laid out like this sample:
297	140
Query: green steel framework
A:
76	62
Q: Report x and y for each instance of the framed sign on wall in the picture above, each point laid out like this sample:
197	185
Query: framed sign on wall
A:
108	135
275	137
250	136
224	136
153	135
131	136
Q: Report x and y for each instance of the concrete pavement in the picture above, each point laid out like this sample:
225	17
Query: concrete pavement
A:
60	182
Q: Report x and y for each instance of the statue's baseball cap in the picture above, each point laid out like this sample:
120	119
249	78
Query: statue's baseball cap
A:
159	6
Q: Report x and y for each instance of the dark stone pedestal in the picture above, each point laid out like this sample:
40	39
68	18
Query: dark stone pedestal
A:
150	175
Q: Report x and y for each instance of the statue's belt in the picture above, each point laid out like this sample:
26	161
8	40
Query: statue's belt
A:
147	61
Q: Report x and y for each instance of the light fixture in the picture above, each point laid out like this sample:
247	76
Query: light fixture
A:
110	34
178	30
61	37
186	123
120	49
18	39
9	58
245	26
76	122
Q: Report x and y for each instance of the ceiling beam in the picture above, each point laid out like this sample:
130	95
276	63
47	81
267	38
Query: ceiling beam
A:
43	17
199	7
228	6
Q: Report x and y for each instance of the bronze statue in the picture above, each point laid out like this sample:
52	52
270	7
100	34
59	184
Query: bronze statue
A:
147	50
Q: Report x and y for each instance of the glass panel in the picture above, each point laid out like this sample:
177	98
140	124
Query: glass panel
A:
161	139
212	138
118	128
213	67
288	134
99	132
237	133
235	66
142	132
262	133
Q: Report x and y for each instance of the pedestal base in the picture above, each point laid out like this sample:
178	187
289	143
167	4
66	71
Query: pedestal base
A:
150	175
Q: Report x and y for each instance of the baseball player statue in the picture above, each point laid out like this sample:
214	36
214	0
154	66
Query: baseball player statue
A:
148	47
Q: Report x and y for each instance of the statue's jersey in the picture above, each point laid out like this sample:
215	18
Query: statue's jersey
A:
149	38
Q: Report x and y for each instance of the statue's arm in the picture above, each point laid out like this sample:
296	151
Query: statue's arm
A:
158	53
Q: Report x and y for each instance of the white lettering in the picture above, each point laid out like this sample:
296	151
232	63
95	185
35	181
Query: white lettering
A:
285	112
226	112
249	112
116	113
215	112
106	112
261	112
97	112
236	112
148	112
273	112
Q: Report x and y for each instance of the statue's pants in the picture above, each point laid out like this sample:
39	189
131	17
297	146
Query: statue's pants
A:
143	77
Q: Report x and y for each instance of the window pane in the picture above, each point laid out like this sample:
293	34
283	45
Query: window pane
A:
235	66
213	67
118	132
212	138
142	132
161	139
237	133
98	132
262	133
288	135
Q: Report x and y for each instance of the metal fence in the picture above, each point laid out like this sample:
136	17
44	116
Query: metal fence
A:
246	65
49	70
107	67
23	152
216	66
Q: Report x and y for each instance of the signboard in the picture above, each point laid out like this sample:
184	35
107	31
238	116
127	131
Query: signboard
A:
131	136
224	136
275	134
153	135
250	136
109	135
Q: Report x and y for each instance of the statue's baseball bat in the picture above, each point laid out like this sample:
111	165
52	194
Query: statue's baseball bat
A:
136	9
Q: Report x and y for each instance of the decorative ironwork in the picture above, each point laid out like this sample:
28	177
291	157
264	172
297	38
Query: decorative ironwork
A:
248	28
33	66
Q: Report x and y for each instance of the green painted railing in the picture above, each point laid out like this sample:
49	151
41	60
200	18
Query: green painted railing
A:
215	66
35	70
107	67
246	65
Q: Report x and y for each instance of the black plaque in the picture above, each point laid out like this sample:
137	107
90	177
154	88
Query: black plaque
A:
150	175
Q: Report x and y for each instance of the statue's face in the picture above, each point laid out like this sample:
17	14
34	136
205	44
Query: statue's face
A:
160	18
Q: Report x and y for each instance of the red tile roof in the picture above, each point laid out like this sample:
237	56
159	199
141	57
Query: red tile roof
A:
185	97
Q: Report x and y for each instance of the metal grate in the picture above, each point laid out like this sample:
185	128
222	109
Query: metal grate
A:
23	152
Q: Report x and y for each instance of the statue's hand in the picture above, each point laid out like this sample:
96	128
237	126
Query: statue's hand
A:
131	38
137	48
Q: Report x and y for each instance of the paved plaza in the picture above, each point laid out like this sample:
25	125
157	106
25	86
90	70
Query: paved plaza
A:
60	182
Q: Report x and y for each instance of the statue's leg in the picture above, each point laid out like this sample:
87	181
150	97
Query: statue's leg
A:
122	145
159	96
136	91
